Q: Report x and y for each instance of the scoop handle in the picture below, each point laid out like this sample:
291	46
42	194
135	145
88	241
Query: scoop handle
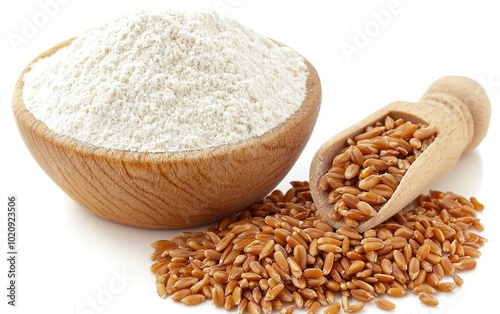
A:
465	97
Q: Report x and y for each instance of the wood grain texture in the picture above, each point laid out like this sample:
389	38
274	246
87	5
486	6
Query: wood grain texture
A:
168	190
460	109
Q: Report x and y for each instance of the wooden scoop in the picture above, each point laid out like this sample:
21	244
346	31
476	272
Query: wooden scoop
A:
460	110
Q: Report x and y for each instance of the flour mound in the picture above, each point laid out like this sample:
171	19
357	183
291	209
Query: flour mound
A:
166	81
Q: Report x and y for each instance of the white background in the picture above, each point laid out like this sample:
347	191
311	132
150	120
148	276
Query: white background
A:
70	261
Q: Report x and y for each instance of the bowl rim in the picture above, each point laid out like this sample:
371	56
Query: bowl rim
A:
310	105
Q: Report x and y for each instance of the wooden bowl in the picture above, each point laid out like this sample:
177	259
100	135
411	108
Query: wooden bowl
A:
168	190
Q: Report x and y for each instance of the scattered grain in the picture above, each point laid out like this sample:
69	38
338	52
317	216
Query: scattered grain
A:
278	252
446	286
428	299
254	308
423	288
314	308
193	299
287	310
333	309
396	292
385	304
356	307
160	288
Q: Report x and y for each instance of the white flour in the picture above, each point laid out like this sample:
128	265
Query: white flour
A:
164	81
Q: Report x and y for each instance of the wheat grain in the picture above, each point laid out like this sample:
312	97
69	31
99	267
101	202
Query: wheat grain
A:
278	251
382	153
385	304
428	299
